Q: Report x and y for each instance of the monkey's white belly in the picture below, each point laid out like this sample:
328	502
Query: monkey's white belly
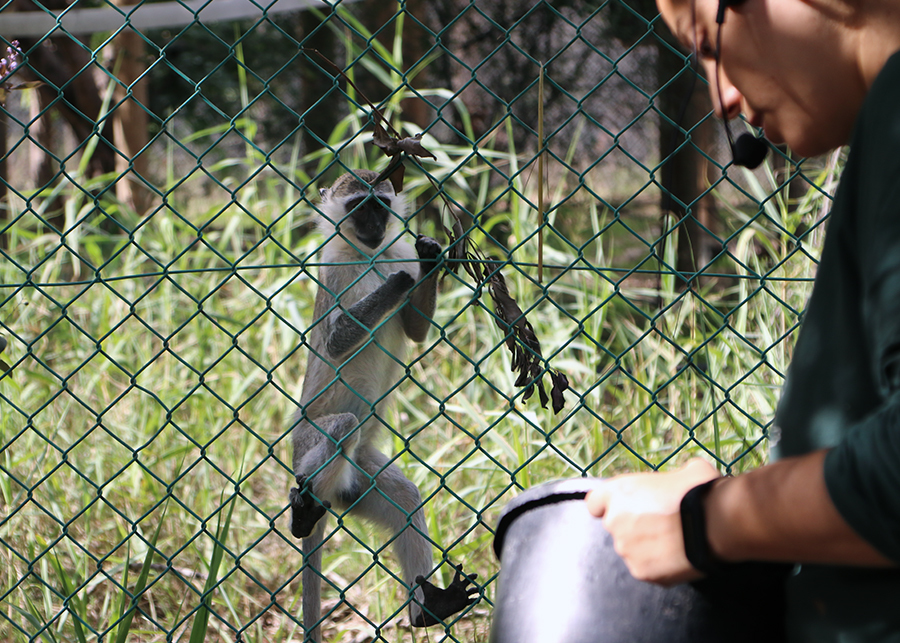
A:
370	376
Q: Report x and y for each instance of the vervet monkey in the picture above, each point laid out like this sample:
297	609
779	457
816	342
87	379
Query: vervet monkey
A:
375	293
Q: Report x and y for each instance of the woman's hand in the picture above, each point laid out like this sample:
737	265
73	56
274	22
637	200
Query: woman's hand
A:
642	513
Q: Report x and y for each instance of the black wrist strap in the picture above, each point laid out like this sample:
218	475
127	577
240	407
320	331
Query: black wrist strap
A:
699	554
693	528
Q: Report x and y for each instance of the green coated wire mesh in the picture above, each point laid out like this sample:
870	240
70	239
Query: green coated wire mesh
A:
159	174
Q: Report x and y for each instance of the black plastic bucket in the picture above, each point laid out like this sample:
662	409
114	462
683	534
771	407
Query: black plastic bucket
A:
561	581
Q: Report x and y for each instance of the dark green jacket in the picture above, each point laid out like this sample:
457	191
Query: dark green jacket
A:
843	385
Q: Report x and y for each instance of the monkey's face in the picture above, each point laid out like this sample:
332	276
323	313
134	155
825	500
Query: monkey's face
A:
369	216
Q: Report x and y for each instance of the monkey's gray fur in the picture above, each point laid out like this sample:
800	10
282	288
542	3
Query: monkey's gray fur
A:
365	313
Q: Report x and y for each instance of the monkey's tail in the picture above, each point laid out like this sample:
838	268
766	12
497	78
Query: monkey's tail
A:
312	583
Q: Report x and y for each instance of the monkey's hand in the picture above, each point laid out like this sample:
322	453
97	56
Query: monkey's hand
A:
398	283
392	291
429	251
305	510
441	603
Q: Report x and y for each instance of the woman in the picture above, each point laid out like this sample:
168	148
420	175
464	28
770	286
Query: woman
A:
814	74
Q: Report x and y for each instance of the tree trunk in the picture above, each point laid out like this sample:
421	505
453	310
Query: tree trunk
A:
683	174
321	104
72	91
130	119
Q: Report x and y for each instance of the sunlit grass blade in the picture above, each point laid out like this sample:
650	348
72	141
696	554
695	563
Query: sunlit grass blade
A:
201	618
75	604
128	606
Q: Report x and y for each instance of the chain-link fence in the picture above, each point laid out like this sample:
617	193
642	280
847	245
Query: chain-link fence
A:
159	174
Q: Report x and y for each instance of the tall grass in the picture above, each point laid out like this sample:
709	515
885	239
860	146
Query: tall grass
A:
144	452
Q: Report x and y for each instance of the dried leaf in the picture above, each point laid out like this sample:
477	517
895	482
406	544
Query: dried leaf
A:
382	139
412	145
458	231
507	308
395	148
4	367
560	386
529	391
396	177
542	393
394	145
521	340
394	173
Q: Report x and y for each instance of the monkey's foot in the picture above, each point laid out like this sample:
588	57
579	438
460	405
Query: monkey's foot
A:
441	603
305	510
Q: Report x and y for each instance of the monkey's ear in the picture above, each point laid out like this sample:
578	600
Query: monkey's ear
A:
324	193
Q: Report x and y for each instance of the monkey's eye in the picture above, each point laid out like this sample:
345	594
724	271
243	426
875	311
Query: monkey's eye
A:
353	204
377	206
372	202
378	202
